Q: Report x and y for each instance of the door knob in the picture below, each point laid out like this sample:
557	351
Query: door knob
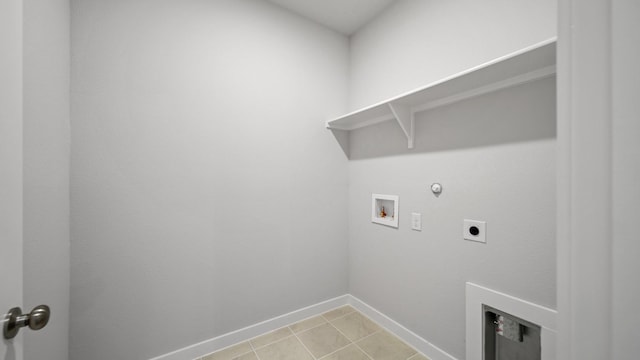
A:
35	320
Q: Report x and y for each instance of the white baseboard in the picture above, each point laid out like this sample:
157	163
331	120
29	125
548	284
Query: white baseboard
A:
220	342
428	349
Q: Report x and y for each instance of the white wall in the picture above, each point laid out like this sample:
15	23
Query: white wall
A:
598	168
46	173
206	194
626	172
494	155
414	42
11	219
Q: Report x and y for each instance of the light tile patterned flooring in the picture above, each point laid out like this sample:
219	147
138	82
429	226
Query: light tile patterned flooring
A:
340	334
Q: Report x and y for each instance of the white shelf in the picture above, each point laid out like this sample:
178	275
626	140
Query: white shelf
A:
529	64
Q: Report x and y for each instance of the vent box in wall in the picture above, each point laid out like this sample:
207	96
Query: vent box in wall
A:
509	337
384	209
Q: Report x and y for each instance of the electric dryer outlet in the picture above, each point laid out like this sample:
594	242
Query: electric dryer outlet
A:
474	230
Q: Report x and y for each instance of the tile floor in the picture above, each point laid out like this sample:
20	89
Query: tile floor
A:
340	334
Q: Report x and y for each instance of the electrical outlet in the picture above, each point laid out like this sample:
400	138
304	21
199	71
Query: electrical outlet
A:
474	230
416	221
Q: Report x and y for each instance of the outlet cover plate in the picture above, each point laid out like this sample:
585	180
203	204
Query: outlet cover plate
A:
416	221
469	232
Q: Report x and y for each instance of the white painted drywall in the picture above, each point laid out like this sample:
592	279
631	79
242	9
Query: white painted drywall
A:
11	36
415	42
46	173
584	181
206	194
494	156
598	170
626	174
345	16
492	169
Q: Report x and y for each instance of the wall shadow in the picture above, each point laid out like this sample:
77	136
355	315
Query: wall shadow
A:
10	354
342	138
522	113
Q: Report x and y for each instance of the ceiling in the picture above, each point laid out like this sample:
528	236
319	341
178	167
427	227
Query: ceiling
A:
345	16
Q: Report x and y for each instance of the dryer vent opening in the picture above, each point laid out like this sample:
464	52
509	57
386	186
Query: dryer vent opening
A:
509	337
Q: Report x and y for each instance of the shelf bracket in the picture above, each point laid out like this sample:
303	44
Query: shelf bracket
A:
406	119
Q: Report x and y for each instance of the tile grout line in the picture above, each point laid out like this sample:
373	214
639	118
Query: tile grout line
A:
370	335
353	342
392	334
361	349
279	340
304	346
380	328
228	347
275	341
335	351
294	334
416	352
419	354
350	342
311	328
327	321
253	349
271	343
341	316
